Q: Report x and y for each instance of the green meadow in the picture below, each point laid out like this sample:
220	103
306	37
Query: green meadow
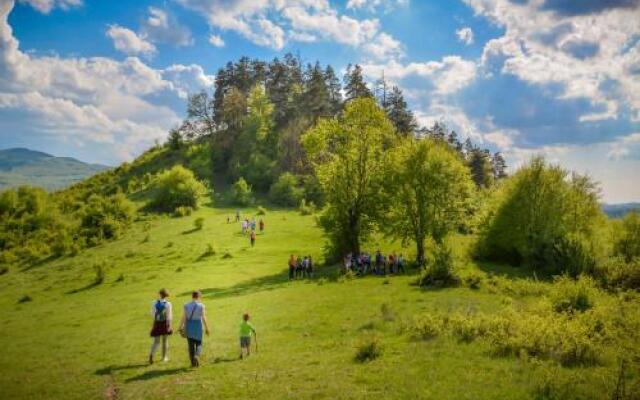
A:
78	339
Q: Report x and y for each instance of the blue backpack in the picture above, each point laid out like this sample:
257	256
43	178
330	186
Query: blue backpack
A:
161	311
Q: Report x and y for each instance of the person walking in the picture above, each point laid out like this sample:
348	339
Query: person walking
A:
237	215
246	331
292	267
162	315
261	224
193	319
253	238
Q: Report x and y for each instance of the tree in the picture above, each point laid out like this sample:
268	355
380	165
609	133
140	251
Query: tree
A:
176	187
481	169
175	139
200	107
627	240
315	99
499	166
399	114
429	190
354	84
241	192
334	88
347	155
286	191
235	108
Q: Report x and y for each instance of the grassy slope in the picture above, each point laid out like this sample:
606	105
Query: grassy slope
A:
74	341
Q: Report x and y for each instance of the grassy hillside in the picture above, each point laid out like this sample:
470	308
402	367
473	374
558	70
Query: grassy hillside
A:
78	340
20	167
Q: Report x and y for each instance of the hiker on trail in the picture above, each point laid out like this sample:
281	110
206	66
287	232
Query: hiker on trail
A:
162	315
261	224
237	215
245	225
292	267
392	263
299	267
191	325
309	267
252	237
246	330
379	263
253	224
228	219
400	262
347	262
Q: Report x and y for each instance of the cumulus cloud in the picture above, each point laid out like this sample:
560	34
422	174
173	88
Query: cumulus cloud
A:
271	23
372	5
128	42
216	40
585	47
122	105
45	6
162	27
465	35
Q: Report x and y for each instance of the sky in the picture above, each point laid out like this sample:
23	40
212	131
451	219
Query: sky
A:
101	81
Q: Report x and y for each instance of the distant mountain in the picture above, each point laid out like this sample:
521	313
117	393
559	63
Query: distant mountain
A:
34	168
620	210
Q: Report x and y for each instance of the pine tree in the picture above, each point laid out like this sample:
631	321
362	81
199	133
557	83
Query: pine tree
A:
334	88
480	164
398	112
316	99
175	139
499	166
354	84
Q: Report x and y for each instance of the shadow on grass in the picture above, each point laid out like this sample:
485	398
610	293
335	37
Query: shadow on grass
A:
84	288
156	374
30	265
263	283
219	360
111	369
190	231
513	272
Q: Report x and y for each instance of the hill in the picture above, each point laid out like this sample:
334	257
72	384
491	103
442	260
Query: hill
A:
620	210
20	166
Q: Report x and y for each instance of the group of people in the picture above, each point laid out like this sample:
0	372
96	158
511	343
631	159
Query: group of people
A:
378	264
193	326
299	267
249	227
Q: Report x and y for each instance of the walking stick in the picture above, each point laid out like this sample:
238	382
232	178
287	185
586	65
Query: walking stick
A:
256	342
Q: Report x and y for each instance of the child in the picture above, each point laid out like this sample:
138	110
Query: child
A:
246	330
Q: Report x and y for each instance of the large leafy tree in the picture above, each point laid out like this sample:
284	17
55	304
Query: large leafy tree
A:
347	154
430	187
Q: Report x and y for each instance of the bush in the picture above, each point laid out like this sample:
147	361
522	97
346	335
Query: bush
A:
617	273
182	211
175	188
241	192
106	217
100	273
569	295
627	241
285	191
198	223
307	208
439	270
25	299
369	351
261	211
426	326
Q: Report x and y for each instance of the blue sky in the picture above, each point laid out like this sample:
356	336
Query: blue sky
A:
101	81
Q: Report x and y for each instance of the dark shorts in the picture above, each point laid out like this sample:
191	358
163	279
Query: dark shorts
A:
245	341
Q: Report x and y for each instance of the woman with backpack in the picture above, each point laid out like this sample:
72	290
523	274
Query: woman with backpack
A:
193	319
162	315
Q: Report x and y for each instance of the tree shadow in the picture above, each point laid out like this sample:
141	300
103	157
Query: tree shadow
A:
111	369
513	272
156	374
219	360
38	263
84	288
264	283
190	231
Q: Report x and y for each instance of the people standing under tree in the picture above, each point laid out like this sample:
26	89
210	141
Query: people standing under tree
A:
309	267
162	316
261	224
292	267
252	238
299	267
193	319
246	331
400	262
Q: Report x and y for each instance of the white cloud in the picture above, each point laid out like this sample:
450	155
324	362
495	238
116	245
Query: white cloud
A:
465	35
372	5
302	37
45	6
128	42
587	48
383	47
120	104
216	40
161	27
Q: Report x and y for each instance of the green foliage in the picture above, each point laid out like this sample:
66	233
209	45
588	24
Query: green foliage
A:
439	270
174	188
617	273
347	155
242	192
3	270
426	326
369	350
544	218
25	299
105	217
198	223
261	211
286	191
570	296
427	187
627	239
100	270
306	208
182	211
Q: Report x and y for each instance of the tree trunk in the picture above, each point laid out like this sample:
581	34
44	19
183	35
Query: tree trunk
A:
420	252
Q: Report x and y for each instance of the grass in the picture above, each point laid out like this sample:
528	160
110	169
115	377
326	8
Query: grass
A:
79	340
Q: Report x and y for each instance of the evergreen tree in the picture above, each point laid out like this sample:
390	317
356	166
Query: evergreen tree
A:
499	166
354	84
175	139
316	99
399	113
479	162
334	89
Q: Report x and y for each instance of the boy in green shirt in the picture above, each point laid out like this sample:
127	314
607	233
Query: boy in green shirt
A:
246	330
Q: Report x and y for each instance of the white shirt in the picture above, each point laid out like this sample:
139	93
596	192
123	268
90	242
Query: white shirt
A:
167	305
197	313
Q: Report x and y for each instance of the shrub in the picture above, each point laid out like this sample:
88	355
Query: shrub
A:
472	280
439	270
569	295
182	211
627	241
617	273
100	273
306	208
120	278
198	223
261	211
285	190
208	252
25	299
426	326
175	188
241	192
388	314
369	351
4	270
105	217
